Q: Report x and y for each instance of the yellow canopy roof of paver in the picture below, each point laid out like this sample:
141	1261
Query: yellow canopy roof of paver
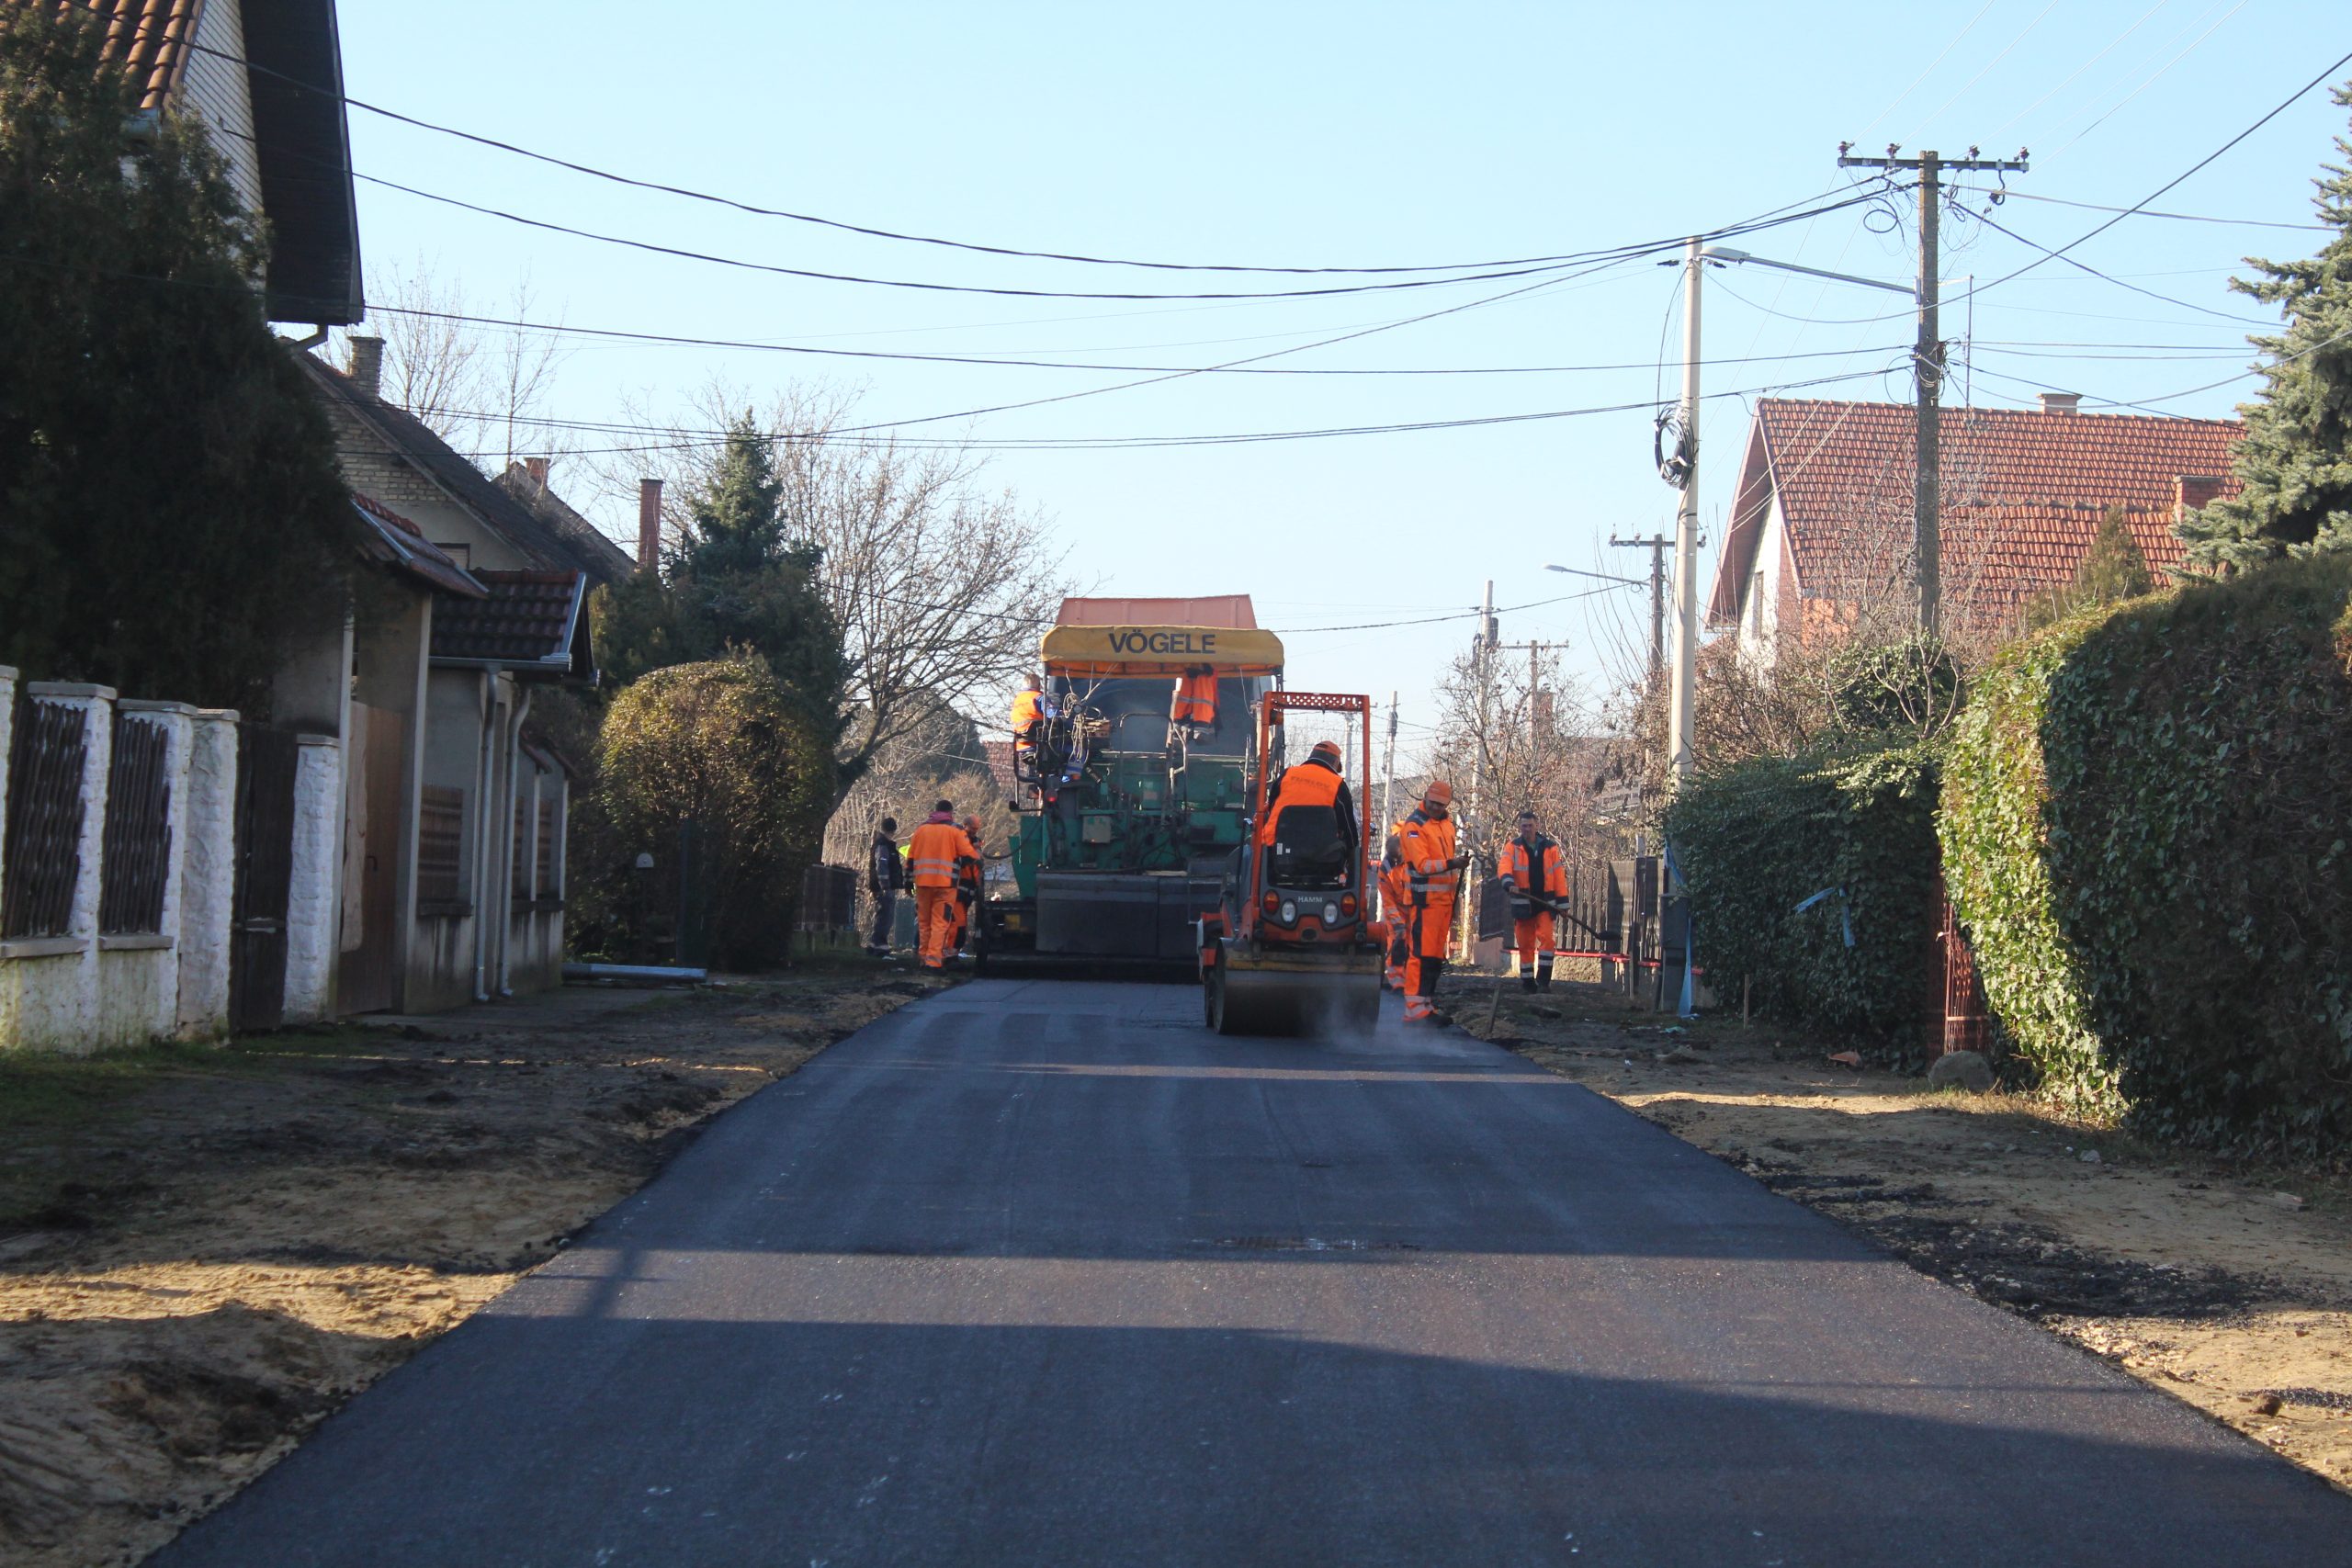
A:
1102	638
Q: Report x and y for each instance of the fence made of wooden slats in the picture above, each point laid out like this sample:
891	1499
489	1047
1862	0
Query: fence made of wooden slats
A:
138	837
827	898
267	763
45	813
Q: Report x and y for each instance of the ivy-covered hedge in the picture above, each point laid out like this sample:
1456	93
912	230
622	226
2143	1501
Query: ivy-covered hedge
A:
1756	840
2145	822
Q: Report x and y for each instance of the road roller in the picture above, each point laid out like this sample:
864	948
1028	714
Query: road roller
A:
1291	947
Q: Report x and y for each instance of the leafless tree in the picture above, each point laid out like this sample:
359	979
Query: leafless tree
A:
479	388
942	586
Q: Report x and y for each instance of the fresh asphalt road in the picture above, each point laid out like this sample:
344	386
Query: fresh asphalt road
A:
1039	1272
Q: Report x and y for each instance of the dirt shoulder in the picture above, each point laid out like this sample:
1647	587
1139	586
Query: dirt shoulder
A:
2228	1287
205	1250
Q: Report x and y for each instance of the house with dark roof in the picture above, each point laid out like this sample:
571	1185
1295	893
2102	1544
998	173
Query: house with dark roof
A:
457	811
266	78
1820	530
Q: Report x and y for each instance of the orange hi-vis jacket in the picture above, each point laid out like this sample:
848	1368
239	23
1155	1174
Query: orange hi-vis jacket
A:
1196	700
1544	873
1395	887
1309	783
1028	707
1425	844
937	847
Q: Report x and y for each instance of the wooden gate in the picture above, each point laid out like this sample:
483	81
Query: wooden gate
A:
1962	1019
267	760
366	982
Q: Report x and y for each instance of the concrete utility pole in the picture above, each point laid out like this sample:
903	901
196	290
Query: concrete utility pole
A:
1682	735
1928	363
1482	657
1388	783
1658	545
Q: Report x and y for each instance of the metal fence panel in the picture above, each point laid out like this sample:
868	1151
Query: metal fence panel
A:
45	811
138	838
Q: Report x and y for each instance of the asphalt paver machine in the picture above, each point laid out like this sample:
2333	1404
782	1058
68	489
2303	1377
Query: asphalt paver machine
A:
1291	949
1135	789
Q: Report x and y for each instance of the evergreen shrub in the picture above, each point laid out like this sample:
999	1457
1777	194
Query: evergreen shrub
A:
1758	839
2144	827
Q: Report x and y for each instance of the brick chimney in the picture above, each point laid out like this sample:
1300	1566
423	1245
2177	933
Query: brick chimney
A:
2061	402
648	525
537	469
368	364
2190	491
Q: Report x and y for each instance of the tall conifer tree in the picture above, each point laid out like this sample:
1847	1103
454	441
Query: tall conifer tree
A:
2294	465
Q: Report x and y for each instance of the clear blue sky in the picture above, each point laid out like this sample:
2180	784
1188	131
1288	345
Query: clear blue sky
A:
1353	136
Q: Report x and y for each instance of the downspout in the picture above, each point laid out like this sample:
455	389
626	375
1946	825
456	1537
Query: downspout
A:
483	833
514	749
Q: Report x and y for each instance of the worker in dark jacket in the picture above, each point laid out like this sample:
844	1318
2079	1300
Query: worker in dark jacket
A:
886	877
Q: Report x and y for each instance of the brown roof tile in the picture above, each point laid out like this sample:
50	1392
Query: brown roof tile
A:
149	38
528	618
401	544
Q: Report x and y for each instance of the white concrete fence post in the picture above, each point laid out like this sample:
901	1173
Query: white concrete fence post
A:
313	937
207	874
8	738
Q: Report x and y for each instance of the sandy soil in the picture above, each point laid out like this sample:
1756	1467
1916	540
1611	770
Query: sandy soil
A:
202	1253
2226	1286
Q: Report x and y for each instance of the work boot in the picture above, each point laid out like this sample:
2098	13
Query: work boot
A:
1526	981
1543	982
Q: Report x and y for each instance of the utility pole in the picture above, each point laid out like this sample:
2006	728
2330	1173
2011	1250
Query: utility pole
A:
1682	736
1388	783
1482	656
1658	545
1928	362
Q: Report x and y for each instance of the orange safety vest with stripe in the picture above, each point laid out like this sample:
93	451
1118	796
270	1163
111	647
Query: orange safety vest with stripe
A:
1309	783
1027	709
1195	700
1425	846
1395	887
934	851
1545	871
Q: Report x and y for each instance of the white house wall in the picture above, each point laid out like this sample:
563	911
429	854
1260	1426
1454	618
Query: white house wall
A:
1759	599
216	88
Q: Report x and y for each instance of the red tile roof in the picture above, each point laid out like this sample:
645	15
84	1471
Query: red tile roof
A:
529	618
149	38
1000	758
2009	553
1843	474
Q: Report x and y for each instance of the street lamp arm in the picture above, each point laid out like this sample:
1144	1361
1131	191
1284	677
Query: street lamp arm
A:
1604	576
1723	253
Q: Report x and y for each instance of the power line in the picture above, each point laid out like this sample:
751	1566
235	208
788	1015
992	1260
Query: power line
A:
2080	266
2177	216
558	329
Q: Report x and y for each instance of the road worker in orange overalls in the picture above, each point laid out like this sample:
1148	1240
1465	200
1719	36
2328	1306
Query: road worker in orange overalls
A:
1397	908
938	848
967	888
1195	703
1316	781
1538	874
1028	725
1425	843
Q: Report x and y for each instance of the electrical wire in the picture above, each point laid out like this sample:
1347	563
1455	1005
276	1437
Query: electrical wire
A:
2081	266
2177	216
2086	65
552	329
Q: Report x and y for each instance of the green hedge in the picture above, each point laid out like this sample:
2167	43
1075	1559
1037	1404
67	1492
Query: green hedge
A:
1758	839
2145	830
